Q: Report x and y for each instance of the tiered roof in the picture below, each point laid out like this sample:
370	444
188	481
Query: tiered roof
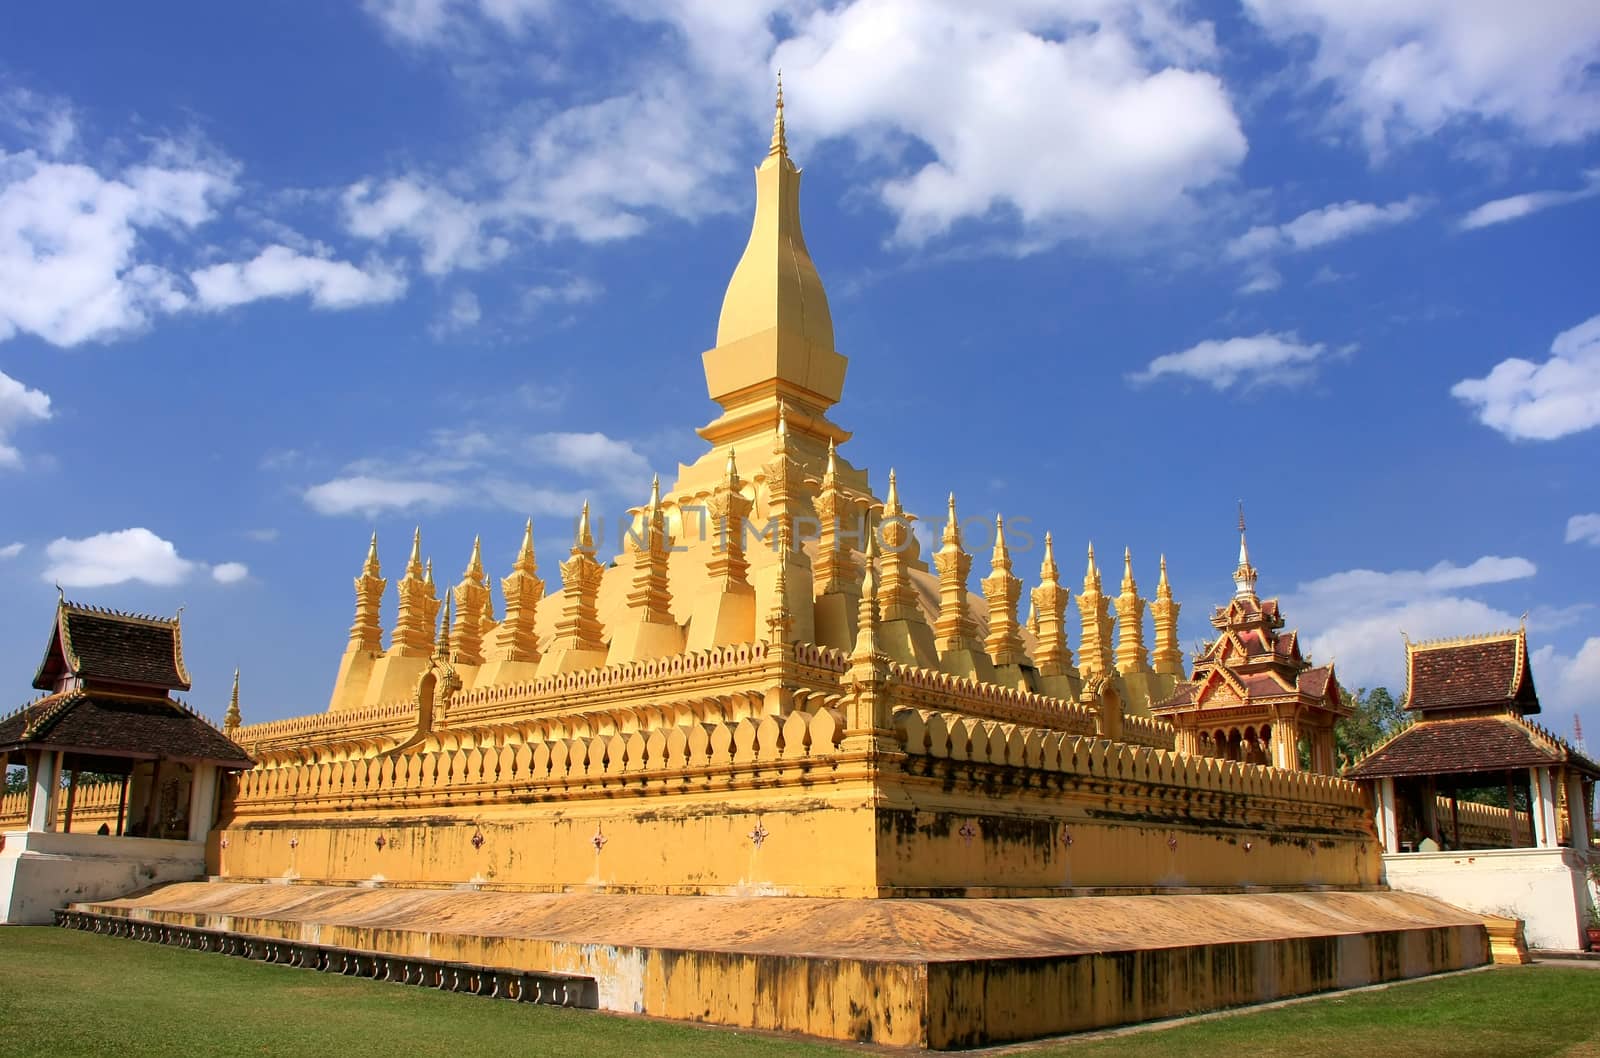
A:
110	675
1471	696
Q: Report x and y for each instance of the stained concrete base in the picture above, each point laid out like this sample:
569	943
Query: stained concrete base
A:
930	973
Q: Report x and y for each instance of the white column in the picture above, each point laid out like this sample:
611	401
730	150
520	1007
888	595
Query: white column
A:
202	800
1544	807
45	779
1388	823
1577	818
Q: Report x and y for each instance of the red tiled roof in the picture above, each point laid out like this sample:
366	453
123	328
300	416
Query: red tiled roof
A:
117	726
110	647
1467	673
1467	744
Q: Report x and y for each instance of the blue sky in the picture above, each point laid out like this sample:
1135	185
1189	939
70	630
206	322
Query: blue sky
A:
274	276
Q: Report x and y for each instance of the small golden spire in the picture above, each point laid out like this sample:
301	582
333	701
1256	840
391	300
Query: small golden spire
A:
585	540
1091	576
232	718
427	571
952	527
475	563
833	464
371	567
891	502
442	648
414	563
525	561
1002	553
780	141
731	471
1127	569
655	493
1162	586
1047	569
783	424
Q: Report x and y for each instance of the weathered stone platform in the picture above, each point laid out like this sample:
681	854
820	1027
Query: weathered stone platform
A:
931	973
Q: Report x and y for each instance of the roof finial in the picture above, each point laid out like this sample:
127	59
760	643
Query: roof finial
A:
475	563
371	565
585	541
232	718
780	141
414	563
525	557
442	648
833	460
655	493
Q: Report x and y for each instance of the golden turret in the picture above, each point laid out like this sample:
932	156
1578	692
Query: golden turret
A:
470	594
1094	610
366	633
725	611
578	642
1168	658
955	628
1052	655
1001	591
1131	653
413	627
515	639
1244	577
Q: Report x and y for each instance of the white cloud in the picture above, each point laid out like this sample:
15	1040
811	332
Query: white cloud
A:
229	572
262	536
1262	281
18	405
1401	71
1262	359
71	239
1071	119
574	291
361	494
1356	617
1542	402
594	456
1566	684
1319	227
447	229
11	550
112	558
1099	114
1516	207
1584	529
279	272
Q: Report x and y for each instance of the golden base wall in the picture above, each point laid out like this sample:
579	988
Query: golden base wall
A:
914	973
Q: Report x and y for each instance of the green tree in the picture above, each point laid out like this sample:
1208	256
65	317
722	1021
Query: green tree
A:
1376	716
16	780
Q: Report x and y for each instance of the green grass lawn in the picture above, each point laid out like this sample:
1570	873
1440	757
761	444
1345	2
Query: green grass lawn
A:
64	993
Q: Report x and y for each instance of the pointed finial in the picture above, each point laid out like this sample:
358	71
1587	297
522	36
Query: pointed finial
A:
783	422
1048	570
442	648
1002	553
732	469
1241	516
232	717
952	527
1127	568
891	502
1091	575
414	563
371	565
655	493
475	563
525	558
833	462
1162	584
780	141
427	571
585	539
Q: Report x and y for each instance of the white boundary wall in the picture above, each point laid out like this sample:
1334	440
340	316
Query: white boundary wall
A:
42	871
1546	888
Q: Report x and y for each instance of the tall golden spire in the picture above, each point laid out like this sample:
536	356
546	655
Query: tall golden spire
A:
370	567
414	563
413	627
578	642
471	598
1094	610
775	342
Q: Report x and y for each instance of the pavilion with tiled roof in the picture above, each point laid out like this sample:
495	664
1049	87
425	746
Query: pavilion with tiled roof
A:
1470	698
1254	695
108	709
